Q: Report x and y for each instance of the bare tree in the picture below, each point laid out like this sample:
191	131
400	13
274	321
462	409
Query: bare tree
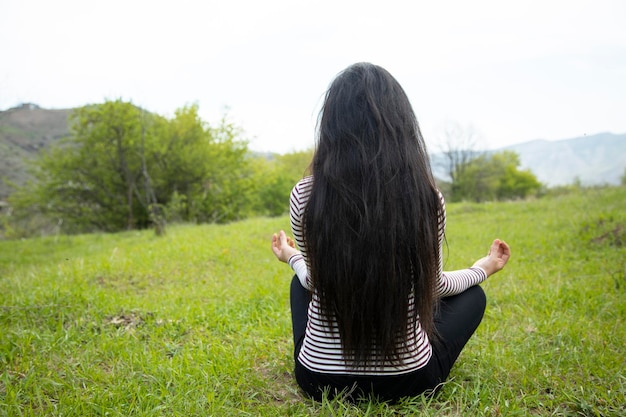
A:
153	206
458	147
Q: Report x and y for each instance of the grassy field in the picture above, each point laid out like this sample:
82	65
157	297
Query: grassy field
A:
197	322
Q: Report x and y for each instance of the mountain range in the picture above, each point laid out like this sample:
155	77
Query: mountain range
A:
589	160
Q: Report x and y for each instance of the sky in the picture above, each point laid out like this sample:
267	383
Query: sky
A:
509	71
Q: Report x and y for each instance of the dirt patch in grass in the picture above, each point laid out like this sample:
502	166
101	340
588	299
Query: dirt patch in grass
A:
126	320
606	229
615	237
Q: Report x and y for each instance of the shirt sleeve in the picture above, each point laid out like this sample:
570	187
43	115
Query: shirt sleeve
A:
297	202
454	282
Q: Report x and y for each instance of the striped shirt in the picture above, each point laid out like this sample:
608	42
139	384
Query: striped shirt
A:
321	350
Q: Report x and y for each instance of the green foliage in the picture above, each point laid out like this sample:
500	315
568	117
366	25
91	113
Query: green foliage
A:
276	178
494	177
273	188
224	191
197	322
93	180
123	168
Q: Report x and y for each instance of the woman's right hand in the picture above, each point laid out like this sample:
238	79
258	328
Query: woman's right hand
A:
283	246
499	254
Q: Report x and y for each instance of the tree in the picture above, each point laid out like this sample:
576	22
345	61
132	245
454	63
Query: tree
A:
182	158
495	176
228	184
90	181
514	183
459	148
124	168
276	176
479	180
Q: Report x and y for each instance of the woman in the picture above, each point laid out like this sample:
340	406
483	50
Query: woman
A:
372	311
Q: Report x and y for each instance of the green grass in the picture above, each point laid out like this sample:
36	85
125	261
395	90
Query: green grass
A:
197	322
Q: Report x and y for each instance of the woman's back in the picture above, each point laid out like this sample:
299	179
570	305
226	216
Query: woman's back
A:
371	219
322	347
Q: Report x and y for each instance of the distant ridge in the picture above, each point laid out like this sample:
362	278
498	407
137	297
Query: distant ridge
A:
591	159
598	159
24	130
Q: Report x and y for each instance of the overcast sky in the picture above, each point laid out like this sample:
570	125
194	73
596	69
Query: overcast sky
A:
512	71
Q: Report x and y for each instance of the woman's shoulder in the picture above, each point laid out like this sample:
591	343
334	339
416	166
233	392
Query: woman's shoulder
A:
443	200
301	191
300	196
304	185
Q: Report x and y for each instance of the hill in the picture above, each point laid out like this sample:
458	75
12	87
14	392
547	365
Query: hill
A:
592	160
24	131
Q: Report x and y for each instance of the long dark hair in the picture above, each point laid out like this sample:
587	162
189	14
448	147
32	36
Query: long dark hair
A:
371	222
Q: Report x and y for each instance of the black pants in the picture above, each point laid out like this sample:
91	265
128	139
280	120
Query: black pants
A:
457	319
